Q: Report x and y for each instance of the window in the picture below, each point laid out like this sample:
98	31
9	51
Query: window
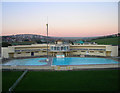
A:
100	51
92	51
74	51
67	47
27	52
19	53
62	48
17	50
82	51
43	51
58	48
54	48
51	47
36	51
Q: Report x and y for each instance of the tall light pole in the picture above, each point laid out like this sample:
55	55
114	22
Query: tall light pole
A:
47	40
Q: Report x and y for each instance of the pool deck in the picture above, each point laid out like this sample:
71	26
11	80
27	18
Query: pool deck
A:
73	67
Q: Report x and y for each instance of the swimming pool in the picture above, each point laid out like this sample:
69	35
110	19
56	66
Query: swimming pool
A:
29	61
82	61
60	61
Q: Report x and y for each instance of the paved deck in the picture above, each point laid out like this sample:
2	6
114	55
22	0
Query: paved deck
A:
61	67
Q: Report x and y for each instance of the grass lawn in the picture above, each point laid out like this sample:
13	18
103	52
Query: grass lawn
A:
8	78
23	43
107	41
84	80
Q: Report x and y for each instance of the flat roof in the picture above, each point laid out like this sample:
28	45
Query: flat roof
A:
35	45
90	45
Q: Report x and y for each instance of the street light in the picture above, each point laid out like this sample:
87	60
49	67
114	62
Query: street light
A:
47	41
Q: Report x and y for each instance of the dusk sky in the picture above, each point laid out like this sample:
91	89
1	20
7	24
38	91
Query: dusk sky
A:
65	19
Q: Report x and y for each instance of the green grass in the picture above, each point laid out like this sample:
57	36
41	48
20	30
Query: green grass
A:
8	79
94	80
23	43
107	41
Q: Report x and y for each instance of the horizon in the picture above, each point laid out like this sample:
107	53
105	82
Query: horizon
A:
58	37
65	19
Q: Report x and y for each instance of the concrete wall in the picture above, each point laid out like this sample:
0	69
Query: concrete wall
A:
4	51
113	49
11	49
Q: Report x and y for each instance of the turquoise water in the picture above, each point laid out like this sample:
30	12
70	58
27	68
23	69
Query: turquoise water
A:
62	61
81	61
29	61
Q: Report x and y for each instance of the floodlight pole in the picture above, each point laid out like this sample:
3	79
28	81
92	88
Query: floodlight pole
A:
47	39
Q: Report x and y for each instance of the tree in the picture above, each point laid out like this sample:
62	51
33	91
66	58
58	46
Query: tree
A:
26	40
39	41
6	44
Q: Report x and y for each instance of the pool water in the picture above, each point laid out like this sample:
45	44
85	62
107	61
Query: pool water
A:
29	61
61	61
82	61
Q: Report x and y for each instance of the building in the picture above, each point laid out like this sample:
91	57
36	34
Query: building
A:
59	49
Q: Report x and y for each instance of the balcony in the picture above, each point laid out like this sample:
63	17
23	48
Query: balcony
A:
59	48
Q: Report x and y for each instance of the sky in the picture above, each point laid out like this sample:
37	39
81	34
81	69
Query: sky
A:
65	19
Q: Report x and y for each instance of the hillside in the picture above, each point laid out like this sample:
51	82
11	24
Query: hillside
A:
108	41
27	39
